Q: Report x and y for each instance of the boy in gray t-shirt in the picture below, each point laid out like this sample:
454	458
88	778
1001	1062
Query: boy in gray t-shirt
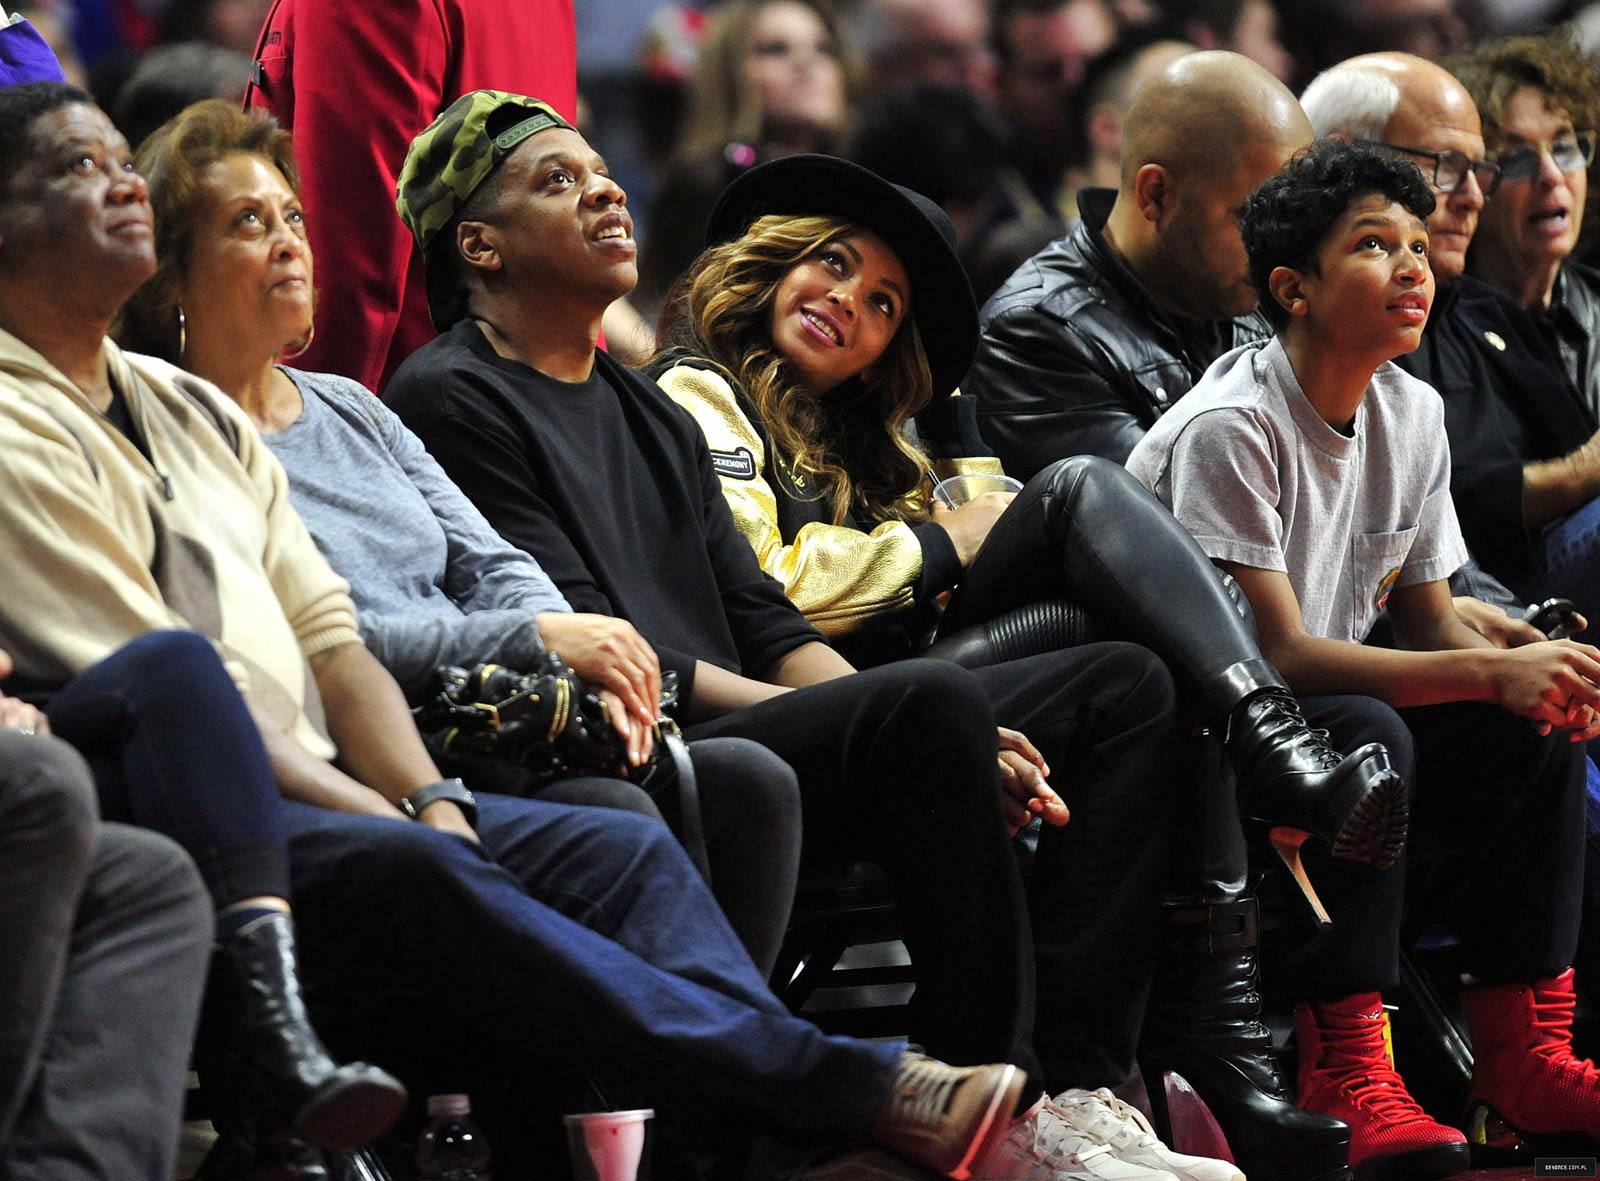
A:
1317	474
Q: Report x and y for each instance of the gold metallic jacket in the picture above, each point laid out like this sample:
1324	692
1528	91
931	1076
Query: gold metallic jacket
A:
839	576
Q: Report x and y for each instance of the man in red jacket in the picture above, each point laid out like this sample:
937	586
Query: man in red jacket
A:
355	83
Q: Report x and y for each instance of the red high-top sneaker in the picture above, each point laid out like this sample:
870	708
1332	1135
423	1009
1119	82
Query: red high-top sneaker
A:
1529	1093
1347	1071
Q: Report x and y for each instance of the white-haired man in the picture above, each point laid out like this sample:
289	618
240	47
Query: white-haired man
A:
1524	450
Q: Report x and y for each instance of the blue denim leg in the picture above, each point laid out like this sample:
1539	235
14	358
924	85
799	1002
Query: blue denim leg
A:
173	748
570	926
1572	560
1591	841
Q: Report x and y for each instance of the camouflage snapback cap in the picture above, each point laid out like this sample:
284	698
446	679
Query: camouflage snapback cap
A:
447	162
457	151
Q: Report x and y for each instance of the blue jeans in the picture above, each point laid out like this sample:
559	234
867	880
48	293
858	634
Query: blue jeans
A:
1591	844
569	931
1571	562
173	748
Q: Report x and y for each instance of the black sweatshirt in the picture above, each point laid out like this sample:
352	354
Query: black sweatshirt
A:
608	484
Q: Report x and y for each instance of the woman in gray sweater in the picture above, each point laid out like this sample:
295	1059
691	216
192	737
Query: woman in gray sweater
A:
432	582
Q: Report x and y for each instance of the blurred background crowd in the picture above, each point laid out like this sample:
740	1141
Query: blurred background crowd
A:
998	109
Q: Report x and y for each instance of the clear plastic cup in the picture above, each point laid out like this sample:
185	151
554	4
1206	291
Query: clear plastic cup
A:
610	1145
957	490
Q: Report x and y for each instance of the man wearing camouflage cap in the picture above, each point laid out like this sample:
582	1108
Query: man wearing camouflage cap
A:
457	155
354	81
587	466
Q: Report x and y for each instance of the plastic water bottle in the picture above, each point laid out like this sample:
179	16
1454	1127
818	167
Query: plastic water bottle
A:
451	1147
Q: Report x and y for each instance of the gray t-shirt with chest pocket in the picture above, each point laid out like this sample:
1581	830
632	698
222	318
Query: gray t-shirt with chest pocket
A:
1252	471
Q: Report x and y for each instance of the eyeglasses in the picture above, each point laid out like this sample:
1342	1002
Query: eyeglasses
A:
1450	168
1571	153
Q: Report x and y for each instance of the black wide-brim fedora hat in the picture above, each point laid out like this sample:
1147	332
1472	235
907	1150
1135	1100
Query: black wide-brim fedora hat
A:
916	229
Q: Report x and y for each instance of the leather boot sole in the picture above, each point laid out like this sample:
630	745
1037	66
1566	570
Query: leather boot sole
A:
1374	831
1442	1160
1258	1127
351	1109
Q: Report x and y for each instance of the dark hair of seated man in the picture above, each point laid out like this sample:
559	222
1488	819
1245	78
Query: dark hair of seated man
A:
1286	220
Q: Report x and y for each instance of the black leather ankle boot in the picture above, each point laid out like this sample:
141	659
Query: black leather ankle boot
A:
1291	780
1204	1022
277	1075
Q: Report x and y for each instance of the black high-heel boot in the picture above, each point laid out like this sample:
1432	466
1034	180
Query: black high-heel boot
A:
1295	783
1204	1022
277	1077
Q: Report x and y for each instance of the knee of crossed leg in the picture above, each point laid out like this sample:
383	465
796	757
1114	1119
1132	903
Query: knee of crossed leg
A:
178	667
764	784
937	693
46	791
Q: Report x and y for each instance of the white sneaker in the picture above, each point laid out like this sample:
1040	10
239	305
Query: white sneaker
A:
1123	1127
1041	1146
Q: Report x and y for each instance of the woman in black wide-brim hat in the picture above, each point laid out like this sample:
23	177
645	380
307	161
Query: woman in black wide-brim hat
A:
828	312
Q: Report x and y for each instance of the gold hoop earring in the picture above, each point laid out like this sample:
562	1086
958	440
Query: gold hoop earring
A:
310	336
183	333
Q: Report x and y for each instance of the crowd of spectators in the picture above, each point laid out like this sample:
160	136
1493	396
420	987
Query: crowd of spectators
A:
542	232
1000	109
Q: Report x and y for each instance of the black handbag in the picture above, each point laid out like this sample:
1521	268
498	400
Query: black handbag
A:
551	726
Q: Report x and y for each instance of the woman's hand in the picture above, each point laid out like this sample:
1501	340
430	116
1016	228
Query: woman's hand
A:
609	654
1024	792
19	715
1583	723
969	524
637	737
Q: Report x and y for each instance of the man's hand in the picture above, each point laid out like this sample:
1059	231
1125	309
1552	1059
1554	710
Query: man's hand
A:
19	715
1024	792
14	714
447	816
969	524
1553	684
1583	723
609	654
1493	624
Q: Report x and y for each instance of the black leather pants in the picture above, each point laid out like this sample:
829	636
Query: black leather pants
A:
1084	529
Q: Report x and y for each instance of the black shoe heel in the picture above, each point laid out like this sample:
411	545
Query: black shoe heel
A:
277	1079
1291	778
1204	1024
1497	1143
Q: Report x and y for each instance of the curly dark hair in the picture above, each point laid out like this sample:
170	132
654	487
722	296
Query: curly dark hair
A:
1286	219
1553	63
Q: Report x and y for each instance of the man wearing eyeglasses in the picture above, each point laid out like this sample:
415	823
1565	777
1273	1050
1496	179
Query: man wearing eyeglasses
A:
1520	437
1540	102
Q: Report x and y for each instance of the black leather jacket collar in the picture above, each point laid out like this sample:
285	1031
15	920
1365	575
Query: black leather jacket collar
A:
1077	358
1573	321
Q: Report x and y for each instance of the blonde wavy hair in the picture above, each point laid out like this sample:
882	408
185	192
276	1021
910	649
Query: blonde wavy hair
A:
721	311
